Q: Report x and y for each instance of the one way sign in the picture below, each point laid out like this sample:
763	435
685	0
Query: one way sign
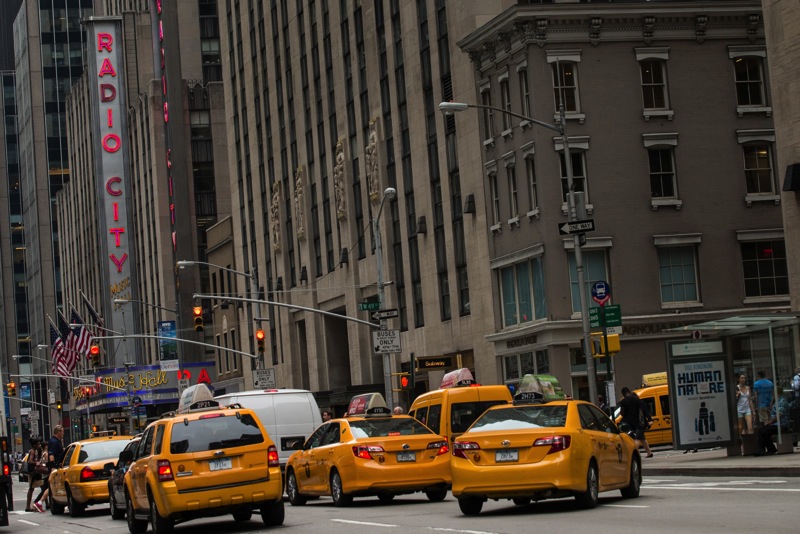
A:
575	227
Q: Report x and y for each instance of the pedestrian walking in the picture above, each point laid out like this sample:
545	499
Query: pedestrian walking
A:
44	489
631	409
764	400
34	481
602	404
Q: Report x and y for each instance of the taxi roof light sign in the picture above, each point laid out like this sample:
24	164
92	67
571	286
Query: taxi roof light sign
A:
539	388
654	379
458	378
368	404
197	397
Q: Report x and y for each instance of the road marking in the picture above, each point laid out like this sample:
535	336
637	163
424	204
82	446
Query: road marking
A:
623	506
706	488
743	482
28	522
441	529
364	523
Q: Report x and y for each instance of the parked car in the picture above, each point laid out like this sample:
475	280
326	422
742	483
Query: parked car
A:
371	452
80	479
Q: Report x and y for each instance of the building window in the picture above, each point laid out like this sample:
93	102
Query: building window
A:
765	268
758	169
594	268
512	191
523	292
488	116
578	174
524	92
530	170
677	269
654	84
749	73
565	86
515	366
662	173
505	95
495	198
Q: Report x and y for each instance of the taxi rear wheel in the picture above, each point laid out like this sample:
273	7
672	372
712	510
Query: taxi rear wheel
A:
635	481
588	498
293	490
470	505
386	497
135	526
76	509
337	491
522	501
436	495
161	525
273	513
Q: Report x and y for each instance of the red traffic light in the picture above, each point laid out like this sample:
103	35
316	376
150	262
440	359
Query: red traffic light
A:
197	311
94	350
260	335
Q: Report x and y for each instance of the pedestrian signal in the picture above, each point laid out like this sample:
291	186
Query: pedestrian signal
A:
198	318
405	382
261	340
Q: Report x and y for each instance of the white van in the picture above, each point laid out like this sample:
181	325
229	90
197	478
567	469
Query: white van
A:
290	416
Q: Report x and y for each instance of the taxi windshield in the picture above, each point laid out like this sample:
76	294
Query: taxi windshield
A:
521	417
217	432
377	428
101	450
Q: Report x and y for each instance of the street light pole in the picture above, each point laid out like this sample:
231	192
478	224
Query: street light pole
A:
389	192
449	108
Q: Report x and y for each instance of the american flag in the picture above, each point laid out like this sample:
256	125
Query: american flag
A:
57	350
95	316
68	337
83	336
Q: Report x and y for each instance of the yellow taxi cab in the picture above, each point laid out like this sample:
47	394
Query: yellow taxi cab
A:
537	448
369	453
452	408
203	460
80	479
654	394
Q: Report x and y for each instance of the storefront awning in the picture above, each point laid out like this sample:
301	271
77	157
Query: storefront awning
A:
742	324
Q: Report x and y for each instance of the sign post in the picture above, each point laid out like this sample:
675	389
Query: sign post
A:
601	293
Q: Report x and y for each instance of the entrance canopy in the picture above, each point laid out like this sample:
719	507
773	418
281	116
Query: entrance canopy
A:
742	324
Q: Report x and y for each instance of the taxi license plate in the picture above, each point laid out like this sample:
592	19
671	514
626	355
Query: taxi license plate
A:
219	464
506	456
409	456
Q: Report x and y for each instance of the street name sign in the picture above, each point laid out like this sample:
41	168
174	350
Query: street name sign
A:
369	306
574	227
386	341
613	315
386	314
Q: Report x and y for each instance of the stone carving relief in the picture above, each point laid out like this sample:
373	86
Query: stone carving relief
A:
275	215
372	161
338	182
299	218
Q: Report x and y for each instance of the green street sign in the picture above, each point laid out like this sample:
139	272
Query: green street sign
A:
612	312
369	306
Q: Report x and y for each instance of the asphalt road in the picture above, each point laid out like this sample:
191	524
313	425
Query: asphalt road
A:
666	504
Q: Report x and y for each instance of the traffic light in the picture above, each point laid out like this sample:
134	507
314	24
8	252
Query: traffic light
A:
12	389
198	318
599	344
405	382
59	406
94	354
260	340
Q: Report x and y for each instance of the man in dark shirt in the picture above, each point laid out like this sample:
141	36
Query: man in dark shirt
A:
631	407
55	447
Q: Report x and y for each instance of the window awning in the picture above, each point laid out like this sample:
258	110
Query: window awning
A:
742	324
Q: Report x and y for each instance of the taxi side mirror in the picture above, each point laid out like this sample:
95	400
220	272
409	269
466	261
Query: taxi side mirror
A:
125	457
109	467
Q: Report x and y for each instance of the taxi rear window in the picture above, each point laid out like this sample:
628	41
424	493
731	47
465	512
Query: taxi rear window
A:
378	428
521	417
101	450
215	432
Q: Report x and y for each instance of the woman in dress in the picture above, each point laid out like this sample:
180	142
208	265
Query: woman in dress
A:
744	406
34	456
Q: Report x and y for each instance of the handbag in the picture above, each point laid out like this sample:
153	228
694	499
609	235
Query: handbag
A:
41	468
25	469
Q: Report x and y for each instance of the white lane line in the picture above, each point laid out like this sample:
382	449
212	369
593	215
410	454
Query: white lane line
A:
623	506
367	523
28	522
441	529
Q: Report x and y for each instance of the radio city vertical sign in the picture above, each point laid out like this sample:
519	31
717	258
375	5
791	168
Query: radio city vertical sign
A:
109	114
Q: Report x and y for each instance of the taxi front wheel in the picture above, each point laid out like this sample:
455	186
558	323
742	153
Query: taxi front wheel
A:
293	490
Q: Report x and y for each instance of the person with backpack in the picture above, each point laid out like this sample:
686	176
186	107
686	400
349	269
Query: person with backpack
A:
635	414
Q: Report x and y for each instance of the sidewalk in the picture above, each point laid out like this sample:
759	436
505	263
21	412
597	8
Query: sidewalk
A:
717	463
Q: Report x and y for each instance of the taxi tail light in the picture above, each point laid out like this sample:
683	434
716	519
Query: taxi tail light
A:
441	445
460	448
164	470
556	443
87	474
365	451
272	457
